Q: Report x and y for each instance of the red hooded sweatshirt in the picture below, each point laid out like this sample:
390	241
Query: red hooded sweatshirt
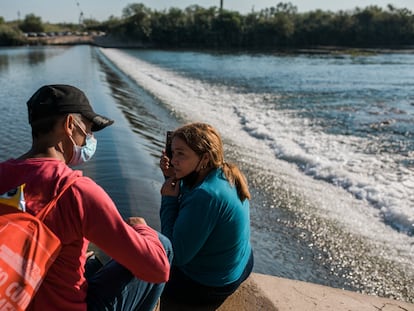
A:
84	213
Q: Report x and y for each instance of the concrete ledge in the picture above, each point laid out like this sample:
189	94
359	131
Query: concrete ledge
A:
268	293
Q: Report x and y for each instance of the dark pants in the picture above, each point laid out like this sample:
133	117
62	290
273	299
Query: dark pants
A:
182	289
114	287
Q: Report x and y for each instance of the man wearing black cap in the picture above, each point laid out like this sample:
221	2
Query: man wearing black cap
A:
63	123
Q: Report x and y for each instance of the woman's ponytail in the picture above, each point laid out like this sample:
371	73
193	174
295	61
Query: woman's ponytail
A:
237	178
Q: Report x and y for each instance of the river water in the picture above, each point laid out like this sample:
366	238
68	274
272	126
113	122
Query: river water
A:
326	142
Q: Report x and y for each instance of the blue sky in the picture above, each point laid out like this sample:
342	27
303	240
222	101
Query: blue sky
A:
55	11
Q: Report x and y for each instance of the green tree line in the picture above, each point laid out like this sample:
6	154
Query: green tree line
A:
281	26
274	27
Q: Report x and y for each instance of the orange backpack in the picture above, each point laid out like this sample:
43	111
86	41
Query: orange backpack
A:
27	249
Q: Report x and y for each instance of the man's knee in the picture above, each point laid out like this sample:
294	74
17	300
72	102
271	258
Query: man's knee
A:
167	246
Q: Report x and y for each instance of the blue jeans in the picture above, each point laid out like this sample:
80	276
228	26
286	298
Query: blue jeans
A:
114	287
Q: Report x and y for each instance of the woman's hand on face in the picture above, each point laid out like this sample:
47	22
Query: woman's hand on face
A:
170	187
165	166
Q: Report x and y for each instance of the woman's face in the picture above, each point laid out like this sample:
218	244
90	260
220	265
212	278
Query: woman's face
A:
184	159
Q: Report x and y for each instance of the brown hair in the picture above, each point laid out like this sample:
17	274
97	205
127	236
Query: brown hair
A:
203	138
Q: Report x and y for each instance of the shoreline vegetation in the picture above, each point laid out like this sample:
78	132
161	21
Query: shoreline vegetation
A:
278	28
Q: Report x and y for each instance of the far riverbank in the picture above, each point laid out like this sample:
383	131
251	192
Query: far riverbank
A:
109	41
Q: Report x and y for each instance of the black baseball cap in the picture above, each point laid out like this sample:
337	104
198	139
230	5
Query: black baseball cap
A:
60	99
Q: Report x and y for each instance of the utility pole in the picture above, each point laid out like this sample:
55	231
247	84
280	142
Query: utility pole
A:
221	5
80	14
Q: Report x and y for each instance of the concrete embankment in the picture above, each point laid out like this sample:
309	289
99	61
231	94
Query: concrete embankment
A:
268	293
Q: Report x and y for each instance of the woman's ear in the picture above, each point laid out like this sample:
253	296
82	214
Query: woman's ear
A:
205	160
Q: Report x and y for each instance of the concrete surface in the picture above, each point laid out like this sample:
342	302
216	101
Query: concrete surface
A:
268	293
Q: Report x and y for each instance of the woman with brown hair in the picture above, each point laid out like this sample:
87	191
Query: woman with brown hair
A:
205	214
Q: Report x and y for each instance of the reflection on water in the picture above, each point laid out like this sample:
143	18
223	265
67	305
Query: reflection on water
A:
4	62
36	57
24	56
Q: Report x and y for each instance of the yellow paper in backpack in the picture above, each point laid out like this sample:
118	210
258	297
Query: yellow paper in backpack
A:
14	198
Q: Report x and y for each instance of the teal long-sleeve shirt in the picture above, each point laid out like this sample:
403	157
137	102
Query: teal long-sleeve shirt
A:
209	228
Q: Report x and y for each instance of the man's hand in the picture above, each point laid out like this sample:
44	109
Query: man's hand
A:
136	221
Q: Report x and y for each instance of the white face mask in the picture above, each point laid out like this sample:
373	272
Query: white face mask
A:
82	154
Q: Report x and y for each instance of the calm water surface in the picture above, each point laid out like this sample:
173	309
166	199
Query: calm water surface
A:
326	143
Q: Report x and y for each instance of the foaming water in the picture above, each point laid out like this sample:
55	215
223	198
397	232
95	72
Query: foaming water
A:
358	181
382	179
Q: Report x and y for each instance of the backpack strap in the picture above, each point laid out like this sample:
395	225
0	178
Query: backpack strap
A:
43	213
